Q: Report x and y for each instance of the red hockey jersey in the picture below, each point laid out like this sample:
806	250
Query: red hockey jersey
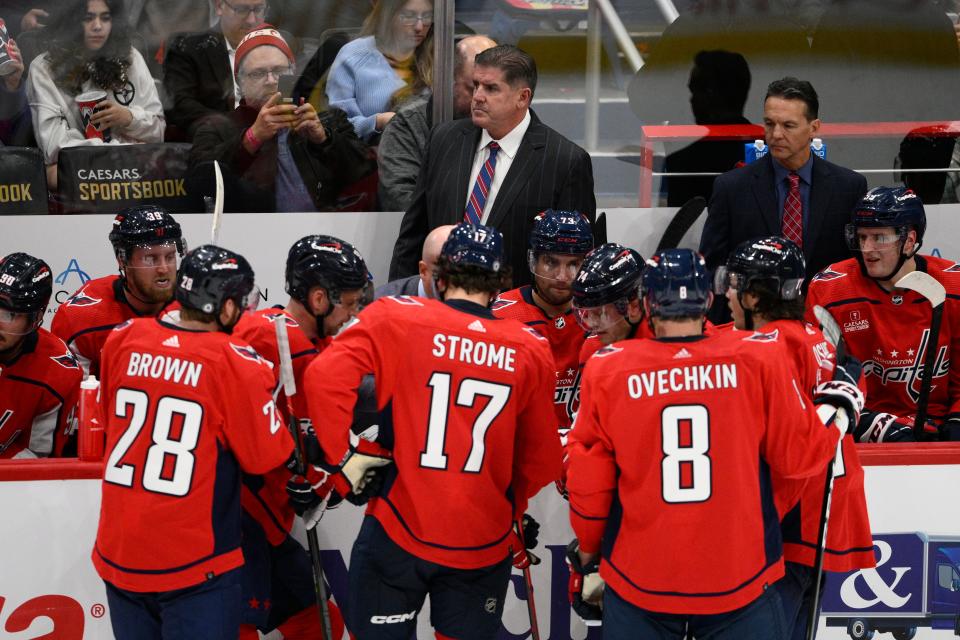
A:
889	332
684	434
474	432
565	337
185	412
38	398
849	541
265	497
85	320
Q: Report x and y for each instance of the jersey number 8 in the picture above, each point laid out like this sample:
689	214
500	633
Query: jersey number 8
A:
686	468
177	480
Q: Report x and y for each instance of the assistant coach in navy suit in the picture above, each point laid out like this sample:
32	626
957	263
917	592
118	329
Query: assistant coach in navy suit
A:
501	167
789	192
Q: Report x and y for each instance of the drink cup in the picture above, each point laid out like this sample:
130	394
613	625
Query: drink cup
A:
7	64
87	104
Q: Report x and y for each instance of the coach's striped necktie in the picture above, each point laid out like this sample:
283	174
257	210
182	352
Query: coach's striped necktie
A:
478	197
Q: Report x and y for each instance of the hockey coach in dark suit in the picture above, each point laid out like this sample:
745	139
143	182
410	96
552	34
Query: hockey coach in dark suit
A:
501	167
789	192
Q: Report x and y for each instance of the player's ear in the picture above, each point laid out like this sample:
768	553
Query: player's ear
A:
319	301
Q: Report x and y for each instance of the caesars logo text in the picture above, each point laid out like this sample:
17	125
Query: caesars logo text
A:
15	192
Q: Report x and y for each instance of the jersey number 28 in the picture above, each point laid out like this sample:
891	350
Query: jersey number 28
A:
176	481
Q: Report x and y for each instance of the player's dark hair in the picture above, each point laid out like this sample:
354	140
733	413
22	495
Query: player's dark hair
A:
772	307
472	279
791	88
194	315
517	65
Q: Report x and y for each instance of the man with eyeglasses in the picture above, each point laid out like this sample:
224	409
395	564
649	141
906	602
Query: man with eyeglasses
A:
39	378
147	243
889	328
198	69
276	155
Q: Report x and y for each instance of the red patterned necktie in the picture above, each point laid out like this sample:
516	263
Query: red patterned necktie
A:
478	197
792	224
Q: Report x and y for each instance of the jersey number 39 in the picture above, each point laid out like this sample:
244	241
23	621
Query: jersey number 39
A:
169	463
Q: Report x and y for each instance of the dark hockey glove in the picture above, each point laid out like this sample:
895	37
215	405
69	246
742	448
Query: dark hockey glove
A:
585	589
312	453
950	430
372	486
849	370
875	426
524	541
841	395
302	495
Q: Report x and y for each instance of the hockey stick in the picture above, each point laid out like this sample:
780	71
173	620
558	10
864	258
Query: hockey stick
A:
217	204
528	581
928	287
681	223
313	542
833	334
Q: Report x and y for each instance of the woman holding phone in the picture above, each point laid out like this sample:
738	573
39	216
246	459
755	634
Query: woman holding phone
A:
90	55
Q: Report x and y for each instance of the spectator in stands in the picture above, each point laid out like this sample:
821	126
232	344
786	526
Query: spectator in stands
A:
26	15
15	128
420	284
158	20
279	156
405	137
88	49
390	63
198	70
501	168
789	192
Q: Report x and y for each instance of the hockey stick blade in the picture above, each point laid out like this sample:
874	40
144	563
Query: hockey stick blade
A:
924	284
217	203
681	223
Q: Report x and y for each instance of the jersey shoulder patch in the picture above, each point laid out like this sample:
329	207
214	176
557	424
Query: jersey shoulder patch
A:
536	334
66	360
759	336
501	303
608	350
81	299
954	268
249	353
409	301
827	275
123	325
271	317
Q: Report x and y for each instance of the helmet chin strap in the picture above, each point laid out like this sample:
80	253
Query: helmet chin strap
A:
747	313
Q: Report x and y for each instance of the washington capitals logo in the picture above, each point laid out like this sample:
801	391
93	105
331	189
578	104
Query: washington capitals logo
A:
764	337
828	274
606	351
955	268
407	300
909	371
500	303
248	353
290	322
67	361
536	334
81	299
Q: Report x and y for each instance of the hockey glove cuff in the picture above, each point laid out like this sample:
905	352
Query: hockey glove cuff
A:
359	470
850	370
585	589
841	395
523	541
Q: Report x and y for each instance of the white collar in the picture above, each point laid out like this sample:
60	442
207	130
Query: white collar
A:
510	143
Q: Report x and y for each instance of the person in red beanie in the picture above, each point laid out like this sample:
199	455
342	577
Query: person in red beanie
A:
279	156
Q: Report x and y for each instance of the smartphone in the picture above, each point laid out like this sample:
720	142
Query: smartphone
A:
285	87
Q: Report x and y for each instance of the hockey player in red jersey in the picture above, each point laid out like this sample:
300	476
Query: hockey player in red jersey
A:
889	328
147	243
673	448
559	240
187	408
39	377
473	439
762	281
325	277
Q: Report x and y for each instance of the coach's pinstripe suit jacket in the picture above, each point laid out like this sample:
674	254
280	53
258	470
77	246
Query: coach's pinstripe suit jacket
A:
549	171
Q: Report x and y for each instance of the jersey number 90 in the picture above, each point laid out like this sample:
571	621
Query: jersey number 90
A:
172	479
686	470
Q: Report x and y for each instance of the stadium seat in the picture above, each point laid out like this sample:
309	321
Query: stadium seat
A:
23	186
105	178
